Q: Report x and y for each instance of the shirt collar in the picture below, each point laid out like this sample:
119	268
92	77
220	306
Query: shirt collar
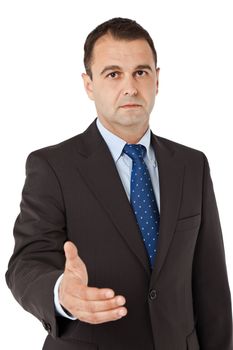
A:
116	144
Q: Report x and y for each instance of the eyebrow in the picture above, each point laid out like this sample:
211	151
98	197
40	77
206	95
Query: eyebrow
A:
114	67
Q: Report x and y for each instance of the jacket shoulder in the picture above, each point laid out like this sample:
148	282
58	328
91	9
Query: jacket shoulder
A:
56	152
180	149
190	157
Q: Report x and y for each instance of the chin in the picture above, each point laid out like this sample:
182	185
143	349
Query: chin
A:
133	120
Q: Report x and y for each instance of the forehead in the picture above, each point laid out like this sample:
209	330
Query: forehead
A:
108	50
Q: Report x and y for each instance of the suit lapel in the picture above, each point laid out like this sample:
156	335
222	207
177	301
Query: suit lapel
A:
97	168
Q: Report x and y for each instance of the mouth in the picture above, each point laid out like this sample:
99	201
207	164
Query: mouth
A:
130	105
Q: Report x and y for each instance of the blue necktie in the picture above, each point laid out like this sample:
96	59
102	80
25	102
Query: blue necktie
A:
143	200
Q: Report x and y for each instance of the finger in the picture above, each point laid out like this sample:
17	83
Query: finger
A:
75	305
101	317
99	305
93	293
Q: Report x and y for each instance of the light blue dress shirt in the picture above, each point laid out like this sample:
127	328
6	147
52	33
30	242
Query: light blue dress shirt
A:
124	163
124	166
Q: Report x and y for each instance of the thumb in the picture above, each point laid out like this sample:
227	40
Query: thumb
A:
71	254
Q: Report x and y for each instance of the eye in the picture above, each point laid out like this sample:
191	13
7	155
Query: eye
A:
112	75
141	73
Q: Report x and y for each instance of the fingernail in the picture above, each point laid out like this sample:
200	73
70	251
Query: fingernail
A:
122	312
120	300
109	294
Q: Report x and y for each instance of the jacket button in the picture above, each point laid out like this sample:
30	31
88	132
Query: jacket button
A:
46	326
152	294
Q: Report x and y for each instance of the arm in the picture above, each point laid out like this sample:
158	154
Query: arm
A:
39	260
211	294
40	232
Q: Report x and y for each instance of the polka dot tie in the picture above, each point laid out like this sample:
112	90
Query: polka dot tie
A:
143	200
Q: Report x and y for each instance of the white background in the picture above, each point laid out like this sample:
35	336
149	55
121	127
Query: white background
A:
43	102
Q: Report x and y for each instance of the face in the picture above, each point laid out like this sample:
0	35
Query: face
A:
124	83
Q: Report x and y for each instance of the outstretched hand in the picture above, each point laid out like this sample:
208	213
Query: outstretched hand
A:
88	304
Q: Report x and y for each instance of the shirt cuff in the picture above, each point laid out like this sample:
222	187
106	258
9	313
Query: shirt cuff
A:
59	309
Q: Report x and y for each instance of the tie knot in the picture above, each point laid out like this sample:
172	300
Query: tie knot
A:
135	151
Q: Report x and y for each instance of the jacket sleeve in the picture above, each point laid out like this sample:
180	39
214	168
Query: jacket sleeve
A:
40	232
211	293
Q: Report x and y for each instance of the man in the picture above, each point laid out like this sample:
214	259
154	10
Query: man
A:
118	244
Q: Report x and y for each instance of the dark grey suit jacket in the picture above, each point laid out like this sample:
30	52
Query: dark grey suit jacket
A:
73	192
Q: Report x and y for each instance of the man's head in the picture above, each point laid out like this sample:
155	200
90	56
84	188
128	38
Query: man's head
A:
120	29
121	75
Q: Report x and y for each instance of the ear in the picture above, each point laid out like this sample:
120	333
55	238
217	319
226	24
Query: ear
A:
157	80
88	85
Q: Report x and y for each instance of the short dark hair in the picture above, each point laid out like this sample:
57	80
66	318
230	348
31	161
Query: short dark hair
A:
119	28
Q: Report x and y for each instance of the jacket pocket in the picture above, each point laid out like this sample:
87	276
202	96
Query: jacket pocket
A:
192	341
188	223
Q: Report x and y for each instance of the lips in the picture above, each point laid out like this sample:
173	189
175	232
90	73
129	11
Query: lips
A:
130	106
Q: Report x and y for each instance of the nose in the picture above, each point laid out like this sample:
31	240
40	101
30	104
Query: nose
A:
129	88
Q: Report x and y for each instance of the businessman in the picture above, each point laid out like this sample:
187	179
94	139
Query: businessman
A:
118	244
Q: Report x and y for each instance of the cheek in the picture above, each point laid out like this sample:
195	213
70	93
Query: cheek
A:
109	95
148	92
151	90
98	95
105	98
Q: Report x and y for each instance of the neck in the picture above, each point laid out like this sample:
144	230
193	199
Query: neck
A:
130	134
